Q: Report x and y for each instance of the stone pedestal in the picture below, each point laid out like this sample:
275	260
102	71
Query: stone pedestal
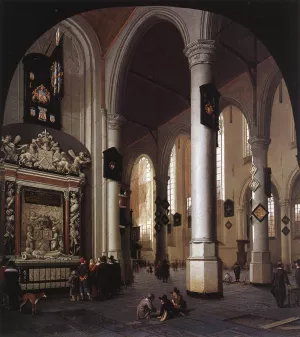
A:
204	268
113	189
286	257
260	266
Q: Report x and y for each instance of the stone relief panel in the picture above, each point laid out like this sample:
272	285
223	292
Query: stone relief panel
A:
42	231
9	232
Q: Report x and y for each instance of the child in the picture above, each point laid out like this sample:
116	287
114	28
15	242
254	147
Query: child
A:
74	286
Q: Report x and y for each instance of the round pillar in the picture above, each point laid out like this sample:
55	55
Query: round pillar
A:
260	266
113	216
204	268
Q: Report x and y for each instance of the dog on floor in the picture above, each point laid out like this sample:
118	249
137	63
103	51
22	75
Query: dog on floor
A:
33	299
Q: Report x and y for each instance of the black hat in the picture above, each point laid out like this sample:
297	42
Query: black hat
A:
175	290
150	296
163	297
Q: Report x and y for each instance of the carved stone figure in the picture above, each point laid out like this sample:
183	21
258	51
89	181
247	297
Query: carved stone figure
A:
29	240
79	161
55	239
9	235
74	224
43	153
74	240
9	148
28	156
10	196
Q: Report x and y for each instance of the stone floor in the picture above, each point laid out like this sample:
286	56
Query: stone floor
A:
240	313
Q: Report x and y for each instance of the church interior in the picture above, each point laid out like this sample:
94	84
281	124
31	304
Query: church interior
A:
147	134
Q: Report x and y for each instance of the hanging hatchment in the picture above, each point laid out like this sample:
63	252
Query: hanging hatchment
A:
43	87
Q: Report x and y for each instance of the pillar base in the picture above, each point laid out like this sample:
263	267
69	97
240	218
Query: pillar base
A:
261	269
204	273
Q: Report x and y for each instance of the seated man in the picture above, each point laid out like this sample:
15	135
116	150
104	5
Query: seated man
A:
145	307
178	302
166	308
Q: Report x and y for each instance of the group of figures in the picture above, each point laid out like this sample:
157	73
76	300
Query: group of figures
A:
9	234
43	153
44	238
100	280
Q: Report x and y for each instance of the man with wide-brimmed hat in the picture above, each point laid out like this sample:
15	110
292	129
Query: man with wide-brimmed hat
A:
166	308
280	279
145	307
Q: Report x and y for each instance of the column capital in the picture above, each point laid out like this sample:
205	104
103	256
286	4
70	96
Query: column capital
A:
258	143
200	52
115	121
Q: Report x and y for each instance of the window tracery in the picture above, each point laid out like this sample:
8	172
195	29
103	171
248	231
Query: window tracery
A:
142	187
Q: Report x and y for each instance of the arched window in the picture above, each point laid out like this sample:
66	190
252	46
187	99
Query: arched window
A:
172	193
141	185
172	181
220	160
246	136
271	217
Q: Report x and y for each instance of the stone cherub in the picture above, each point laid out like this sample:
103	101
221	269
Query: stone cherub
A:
9	148
80	161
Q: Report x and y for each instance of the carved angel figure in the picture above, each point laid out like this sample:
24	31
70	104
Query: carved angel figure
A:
80	161
9	148
28	156
62	165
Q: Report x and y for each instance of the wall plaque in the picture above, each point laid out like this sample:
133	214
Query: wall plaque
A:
228	208
43	197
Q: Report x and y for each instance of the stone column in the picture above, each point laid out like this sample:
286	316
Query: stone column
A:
260	266
113	216
104	185
286	257
204	267
67	221
161	243
18	221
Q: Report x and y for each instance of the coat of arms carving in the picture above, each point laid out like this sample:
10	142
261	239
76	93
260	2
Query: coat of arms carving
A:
43	153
